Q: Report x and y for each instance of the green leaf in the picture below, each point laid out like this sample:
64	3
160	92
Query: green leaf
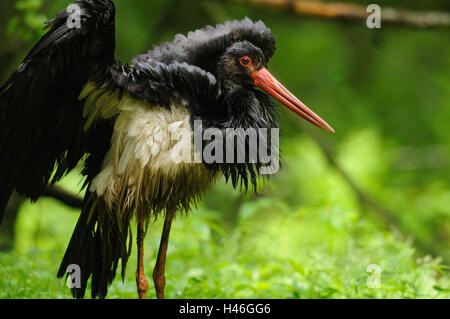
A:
441	268
298	268
440	289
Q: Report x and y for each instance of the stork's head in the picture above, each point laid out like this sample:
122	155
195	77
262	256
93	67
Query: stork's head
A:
239	61
245	65
237	54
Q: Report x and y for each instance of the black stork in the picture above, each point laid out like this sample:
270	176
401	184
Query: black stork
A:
70	98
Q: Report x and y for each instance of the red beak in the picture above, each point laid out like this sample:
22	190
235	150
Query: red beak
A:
267	82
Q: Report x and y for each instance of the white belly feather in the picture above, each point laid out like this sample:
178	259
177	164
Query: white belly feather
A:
139	171
143	135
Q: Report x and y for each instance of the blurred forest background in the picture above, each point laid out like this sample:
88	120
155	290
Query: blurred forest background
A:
375	193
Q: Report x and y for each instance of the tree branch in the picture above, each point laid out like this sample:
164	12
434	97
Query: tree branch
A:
356	12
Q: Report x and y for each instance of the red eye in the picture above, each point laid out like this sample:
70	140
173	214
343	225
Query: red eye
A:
246	61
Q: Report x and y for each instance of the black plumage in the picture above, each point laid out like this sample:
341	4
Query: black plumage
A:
41	116
70	97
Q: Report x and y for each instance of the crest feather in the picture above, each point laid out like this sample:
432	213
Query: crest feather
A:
203	47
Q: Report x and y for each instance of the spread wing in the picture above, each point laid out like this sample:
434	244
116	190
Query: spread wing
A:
41	117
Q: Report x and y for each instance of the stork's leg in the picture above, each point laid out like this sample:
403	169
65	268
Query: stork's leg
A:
159	272
141	281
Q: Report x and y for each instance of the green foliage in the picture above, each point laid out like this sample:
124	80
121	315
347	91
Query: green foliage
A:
29	24
274	251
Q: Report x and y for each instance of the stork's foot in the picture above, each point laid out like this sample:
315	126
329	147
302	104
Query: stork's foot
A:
142	285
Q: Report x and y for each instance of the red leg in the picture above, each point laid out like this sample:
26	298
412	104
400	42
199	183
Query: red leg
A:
141	281
159	272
